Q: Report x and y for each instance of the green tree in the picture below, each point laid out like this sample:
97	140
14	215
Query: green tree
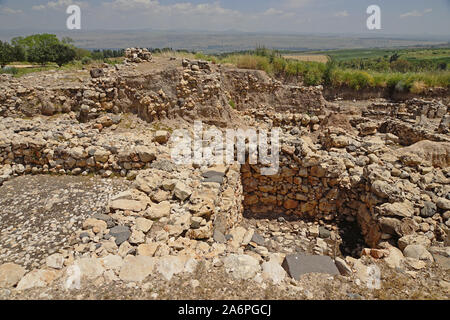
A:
62	53
401	65
41	54
394	57
38	47
6	54
18	53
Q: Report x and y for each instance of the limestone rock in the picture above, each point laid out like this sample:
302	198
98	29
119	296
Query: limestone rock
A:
37	279
241	266
136	269
55	261
10	274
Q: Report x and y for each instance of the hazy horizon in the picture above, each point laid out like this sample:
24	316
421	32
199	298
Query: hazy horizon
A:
229	25
402	17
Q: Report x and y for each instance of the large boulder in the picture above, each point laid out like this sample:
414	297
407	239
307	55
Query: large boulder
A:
437	153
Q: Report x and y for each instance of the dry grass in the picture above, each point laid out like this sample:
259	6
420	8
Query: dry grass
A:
309	58
175	54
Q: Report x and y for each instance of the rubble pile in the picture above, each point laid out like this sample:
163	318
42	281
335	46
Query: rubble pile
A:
138	55
355	188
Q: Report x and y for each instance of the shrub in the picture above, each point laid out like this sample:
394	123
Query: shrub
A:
9	70
86	60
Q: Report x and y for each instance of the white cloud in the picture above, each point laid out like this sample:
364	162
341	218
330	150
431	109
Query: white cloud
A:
415	13
38	8
183	8
59	5
341	14
6	10
272	12
296	3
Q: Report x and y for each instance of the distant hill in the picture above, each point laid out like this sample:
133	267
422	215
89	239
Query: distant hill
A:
219	42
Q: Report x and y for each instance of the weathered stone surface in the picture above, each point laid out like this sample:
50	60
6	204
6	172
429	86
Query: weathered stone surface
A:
443	203
172	265
297	265
394	258
96	225
343	267
147	249
161	136
403	242
143	224
112	262
145	154
273	271
55	261
90	268
131	205
136	269
120	233
428	210
182	191
157	211
258	239
404	209
241	266
418	252
10	274
438	153
97	73
37	279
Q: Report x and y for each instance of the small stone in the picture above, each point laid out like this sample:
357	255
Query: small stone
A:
137	237
343	267
130	205
314	231
55	261
95	225
273	271
241	266
112	262
171	265
158	211
443	203
136	269
407	240
90	268
37	279
219	237
161	136
120	233
324	233
143	224
428	210
147	249
181	191
258	239
418	252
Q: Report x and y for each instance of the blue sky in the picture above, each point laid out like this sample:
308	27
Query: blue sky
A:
402	17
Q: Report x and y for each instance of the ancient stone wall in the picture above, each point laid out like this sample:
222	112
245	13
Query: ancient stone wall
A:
390	195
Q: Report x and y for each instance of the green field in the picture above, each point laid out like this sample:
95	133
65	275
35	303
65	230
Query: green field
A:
409	60
407	70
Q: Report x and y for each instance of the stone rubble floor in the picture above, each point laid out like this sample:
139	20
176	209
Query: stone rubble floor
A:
38	214
64	202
